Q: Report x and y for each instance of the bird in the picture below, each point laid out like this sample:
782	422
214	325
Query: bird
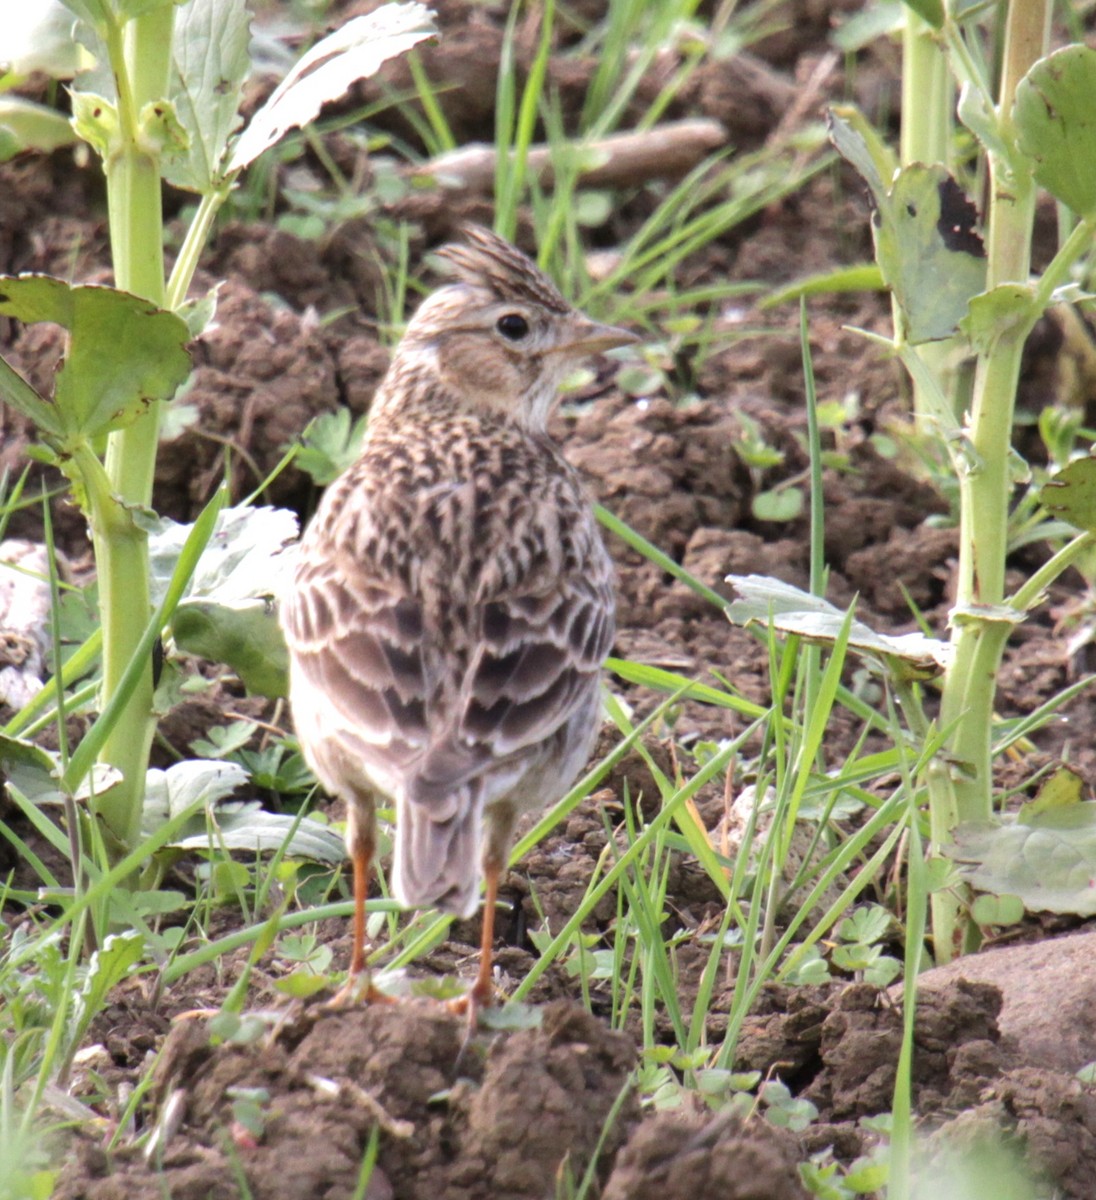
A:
452	602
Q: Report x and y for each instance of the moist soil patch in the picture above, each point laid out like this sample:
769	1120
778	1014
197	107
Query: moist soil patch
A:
508	1113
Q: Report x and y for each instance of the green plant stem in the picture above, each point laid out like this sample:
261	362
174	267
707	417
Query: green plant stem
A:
927	102
981	625
140	57
1031	592
193	244
926	95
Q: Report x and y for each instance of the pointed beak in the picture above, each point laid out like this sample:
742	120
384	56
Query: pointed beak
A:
590	337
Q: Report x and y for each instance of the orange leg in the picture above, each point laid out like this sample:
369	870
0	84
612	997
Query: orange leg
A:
361	856
500	830
360	843
482	994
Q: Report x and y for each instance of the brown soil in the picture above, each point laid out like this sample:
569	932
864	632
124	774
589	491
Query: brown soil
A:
505	1115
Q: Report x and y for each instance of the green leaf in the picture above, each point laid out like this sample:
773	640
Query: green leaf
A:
36	773
18	394
25	125
867	26
174	791
248	555
797	612
159	129
779	504
249	827
228	613
357	49
926	241
1071	493
1049	862
1008	310
883	971
124	353
980	117
658	679
867	1176
330	444
243	633
930	11
511	1017
861	277
929	250
95	120
301	984
1056	125
997	910
868	924
120	954
862	148
102	13
209	64
1063	788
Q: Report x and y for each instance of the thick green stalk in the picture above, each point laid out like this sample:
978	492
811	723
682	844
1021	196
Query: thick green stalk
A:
927	95
140	53
980	624
928	101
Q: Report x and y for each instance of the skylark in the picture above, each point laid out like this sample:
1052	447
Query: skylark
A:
453	601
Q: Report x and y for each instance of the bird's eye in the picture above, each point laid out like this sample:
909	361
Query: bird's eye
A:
512	326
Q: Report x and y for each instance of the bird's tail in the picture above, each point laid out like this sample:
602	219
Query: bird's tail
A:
437	858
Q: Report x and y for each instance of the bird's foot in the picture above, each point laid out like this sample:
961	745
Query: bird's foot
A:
472	1003
358	989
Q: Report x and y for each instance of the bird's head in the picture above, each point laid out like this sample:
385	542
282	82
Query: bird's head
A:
502	336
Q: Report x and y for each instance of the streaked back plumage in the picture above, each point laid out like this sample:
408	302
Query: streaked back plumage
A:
453	602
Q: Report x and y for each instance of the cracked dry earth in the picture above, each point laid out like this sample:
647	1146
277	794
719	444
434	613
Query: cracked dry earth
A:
513	1113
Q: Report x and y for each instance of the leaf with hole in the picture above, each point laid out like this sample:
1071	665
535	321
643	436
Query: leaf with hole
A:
925	230
929	250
